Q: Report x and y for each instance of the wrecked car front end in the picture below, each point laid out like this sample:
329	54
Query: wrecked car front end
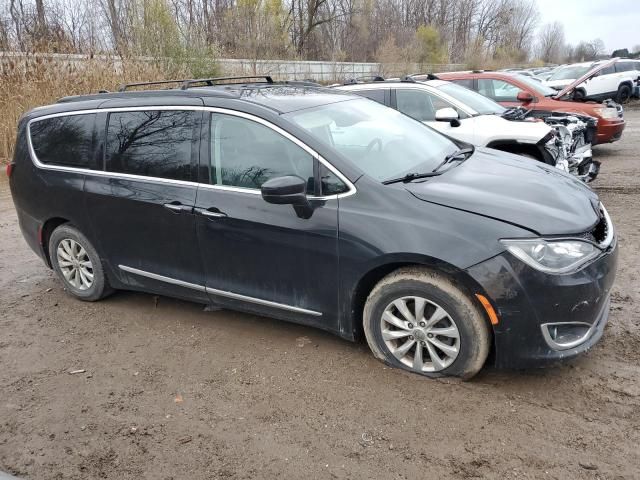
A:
569	146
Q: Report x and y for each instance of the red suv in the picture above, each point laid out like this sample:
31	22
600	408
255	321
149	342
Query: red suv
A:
513	90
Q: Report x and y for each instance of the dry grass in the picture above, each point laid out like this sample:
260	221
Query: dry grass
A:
39	81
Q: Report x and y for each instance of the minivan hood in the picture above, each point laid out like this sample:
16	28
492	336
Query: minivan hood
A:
519	191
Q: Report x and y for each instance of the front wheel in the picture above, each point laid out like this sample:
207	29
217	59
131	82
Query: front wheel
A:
77	264
624	94
419	320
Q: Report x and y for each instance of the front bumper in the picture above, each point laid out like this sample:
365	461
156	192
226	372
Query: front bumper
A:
526	299
609	131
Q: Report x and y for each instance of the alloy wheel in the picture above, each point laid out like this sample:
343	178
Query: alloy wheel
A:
420	334
74	263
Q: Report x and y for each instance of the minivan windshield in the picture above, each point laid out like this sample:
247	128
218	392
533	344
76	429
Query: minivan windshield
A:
381	141
479	103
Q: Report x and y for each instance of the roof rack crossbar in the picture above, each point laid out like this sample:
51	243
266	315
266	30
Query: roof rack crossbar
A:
430	76
212	81
364	79
188	82
123	87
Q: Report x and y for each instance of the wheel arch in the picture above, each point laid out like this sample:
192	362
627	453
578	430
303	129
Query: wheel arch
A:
45	234
373	275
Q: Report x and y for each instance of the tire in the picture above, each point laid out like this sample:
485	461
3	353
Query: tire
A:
624	94
447	308
75	260
579	95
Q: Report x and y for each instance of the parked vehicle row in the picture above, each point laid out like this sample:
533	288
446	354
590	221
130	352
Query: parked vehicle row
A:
561	141
320	207
518	91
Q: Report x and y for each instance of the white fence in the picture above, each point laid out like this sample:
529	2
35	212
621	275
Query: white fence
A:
320	71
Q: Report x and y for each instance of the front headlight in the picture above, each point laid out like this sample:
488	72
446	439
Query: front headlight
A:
552	256
607	112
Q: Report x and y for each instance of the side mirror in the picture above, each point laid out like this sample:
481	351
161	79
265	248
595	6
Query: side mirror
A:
288	190
446	115
524	97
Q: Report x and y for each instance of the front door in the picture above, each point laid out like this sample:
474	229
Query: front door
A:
141	206
258	256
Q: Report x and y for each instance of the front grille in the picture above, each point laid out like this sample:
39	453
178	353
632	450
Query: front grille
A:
602	233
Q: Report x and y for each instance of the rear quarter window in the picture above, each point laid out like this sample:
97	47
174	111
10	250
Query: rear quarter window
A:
375	95
65	140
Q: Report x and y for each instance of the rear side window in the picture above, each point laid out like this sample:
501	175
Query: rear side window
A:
151	143
375	95
65	140
465	82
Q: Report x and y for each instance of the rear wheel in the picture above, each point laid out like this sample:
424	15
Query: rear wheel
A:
624	94
77	264
419	320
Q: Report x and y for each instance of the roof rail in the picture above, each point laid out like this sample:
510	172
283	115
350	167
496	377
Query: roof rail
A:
408	78
186	83
211	81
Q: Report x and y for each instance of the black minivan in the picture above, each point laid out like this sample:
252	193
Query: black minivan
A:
322	208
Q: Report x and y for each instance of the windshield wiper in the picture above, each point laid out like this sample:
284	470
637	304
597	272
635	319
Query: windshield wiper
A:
458	156
411	176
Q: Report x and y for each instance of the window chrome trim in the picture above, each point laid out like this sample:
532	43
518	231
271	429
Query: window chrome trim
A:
351	187
222	293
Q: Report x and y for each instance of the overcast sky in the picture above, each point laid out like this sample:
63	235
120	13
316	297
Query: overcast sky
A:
616	22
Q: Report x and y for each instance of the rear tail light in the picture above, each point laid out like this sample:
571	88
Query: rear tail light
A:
10	169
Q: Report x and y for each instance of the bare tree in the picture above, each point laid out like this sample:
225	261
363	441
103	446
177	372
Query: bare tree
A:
551	42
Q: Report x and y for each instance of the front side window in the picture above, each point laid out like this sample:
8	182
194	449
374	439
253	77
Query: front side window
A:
499	90
151	143
246	154
380	141
624	67
64	140
420	104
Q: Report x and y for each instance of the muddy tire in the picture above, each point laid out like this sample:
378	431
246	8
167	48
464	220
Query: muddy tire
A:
419	320
77	264
624	94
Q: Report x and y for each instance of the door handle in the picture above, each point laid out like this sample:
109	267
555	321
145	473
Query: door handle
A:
177	207
210	213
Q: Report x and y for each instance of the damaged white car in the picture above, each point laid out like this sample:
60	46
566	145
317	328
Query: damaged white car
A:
561	140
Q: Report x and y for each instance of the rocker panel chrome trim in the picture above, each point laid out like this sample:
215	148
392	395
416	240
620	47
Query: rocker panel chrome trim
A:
222	293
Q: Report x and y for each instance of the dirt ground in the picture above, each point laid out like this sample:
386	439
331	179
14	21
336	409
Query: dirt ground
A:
173	392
